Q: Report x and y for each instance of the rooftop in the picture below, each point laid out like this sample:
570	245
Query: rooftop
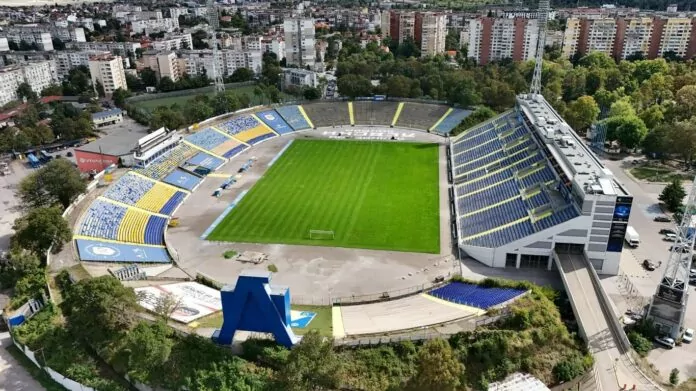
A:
571	153
106	113
117	142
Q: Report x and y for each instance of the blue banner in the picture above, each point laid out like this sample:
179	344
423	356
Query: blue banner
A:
97	251
275	121
182	179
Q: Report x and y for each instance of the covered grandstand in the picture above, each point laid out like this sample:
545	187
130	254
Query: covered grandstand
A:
524	183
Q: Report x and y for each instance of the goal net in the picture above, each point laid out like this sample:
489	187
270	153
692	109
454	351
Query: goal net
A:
318	234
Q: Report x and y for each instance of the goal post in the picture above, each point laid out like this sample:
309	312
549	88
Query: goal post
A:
320	234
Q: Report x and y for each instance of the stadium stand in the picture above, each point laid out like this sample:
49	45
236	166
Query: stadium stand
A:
293	116
145	194
420	115
374	113
207	139
451	121
165	163
101	251
255	135
238	124
328	113
502	183
475	295
182	179
115	222
275	121
203	159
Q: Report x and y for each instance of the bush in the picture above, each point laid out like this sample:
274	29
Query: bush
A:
272	268
568	369
229	254
674	377
208	282
641	344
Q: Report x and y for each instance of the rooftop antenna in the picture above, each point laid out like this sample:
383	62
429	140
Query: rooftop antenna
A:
213	25
542	19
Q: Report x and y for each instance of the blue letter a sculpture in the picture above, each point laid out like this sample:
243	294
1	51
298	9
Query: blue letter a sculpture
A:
252	304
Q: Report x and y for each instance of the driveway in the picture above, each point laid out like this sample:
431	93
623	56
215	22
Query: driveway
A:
13	377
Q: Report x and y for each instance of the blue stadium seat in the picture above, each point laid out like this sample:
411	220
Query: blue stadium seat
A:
293	116
235	151
205	160
182	179
451	121
102	219
469	187
491	196
260	138
275	121
129	189
538	200
173	202
154	230
474	295
503	236
207	139
556	218
542	176
238	124
492	218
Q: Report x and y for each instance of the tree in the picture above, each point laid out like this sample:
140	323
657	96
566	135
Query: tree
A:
673	195
311	93
437	368
24	91
148	347
148	77
242	74
481	114
58	182
652	116
41	229
134	83
686	101
621	108
640	344
225	103
197	111
312	365
21	263
630	131
656	142
582	112
682	139
353	86
58	44
166	84
166	305
674	377
51	90
99	309
498	95
568	369
165	116
120	95
399	86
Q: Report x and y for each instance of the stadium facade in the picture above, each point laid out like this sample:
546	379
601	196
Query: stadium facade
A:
526	185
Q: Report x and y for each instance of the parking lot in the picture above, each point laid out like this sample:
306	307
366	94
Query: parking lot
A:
636	285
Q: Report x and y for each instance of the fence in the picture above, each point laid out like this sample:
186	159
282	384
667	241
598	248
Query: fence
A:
193	91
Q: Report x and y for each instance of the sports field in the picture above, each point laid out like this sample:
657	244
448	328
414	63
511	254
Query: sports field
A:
373	195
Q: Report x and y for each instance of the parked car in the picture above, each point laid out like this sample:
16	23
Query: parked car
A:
662	219
649	265
665	341
688	335
665	231
670	237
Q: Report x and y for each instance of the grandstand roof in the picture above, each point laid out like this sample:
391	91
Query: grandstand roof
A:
106	113
118	143
577	161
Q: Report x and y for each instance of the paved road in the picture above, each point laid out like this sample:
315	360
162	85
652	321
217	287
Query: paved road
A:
13	377
612	368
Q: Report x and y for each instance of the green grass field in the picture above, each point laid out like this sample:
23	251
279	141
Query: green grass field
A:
182	100
373	195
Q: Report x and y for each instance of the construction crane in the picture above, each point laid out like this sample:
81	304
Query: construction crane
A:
668	305
213	25
542	20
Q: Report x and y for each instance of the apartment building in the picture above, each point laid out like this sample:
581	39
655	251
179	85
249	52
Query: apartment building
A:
118	48
427	29
108	70
147	26
38	75
495	39
622	37
165	64
300	42
173	42
42	35
4	45
197	62
299	78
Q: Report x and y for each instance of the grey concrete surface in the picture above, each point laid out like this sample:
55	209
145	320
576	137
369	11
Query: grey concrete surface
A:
13	377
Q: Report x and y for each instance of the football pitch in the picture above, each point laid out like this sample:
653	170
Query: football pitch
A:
372	195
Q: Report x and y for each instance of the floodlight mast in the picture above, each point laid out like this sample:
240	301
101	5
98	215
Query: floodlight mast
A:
213	25
542	20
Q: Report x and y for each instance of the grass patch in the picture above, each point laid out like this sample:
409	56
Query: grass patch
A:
655	174
38	375
229	254
374	195
183	99
272	268
321	322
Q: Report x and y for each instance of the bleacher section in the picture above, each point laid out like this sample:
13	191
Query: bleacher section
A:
374	113
145	194
106	220
210	162
502	183
182	179
274	121
328	113
475	295
293	117
420	115
165	163
255	135
238	124
451	121
216	142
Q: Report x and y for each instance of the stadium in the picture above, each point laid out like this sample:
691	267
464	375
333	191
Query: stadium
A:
358	201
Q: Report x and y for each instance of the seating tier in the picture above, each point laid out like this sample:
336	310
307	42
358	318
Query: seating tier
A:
374	113
420	115
474	295
451	121
328	113
238	124
293	116
275	121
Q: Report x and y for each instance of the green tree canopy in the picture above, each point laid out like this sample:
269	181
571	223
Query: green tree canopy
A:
582	112
673	195
149	347
353	86
312	365
58	182
629	131
41	229
437	368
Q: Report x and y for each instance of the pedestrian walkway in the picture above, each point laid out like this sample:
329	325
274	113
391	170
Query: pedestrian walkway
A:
13	377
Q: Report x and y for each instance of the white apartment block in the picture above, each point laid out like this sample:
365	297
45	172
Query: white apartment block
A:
199	61
299	78
165	64
636	36
495	39
154	25
433	33
173	42
108	70
4	45
42	39
300	41
601	37
38	75
676	34
174	13
120	48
